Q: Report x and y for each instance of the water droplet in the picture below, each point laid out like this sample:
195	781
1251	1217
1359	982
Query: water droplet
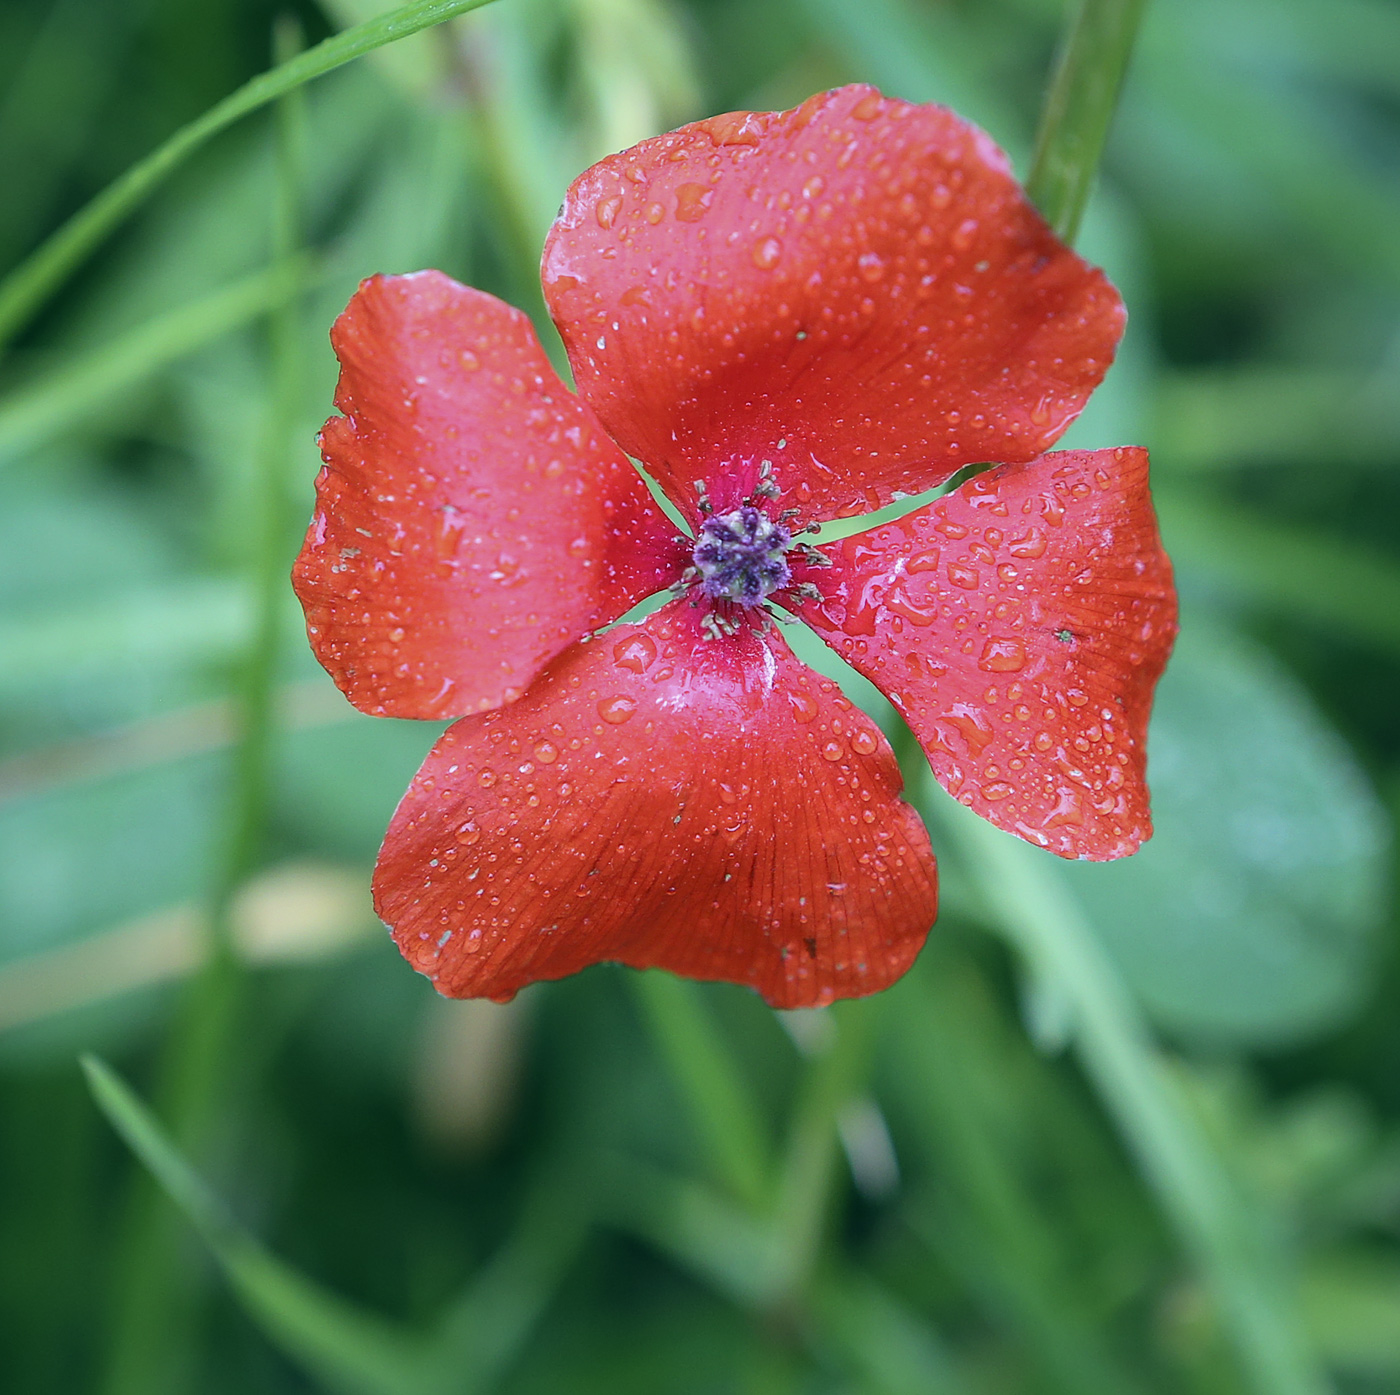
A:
396	635
804	706
868	107
925	561
963	576
469	360
995	791
486	777
1002	656
963	234
691	202
468	833
607	210
732	128
655	213
833	750
766	252
617	710
546	752
1043	741
636	652
872	266
865	742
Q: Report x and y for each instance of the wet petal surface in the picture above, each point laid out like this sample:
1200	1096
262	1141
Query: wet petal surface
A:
856	290
712	807
1020	624
472	519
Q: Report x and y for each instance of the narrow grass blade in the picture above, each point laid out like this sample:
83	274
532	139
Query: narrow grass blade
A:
32	416
349	1351
26	288
1078	109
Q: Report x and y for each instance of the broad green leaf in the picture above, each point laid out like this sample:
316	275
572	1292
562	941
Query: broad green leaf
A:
1220	1226
1250	916
84	857
1301	574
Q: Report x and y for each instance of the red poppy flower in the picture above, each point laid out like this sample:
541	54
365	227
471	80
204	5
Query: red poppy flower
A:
785	316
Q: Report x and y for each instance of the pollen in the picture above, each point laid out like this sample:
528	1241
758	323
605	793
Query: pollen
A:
742	556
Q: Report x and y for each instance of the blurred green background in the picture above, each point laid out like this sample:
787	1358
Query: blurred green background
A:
1126	1128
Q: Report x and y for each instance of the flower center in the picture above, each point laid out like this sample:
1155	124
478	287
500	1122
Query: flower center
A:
741	556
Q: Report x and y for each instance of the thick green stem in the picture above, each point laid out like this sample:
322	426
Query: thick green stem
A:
31	283
1079	108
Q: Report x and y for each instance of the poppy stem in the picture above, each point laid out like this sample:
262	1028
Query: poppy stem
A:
722	1110
1078	109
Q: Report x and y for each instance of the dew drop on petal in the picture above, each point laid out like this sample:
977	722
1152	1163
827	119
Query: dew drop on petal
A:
546	752
766	252
618	709
637	652
468	833
864	742
1002	656
486	777
607	210
804	707
833	750
872	266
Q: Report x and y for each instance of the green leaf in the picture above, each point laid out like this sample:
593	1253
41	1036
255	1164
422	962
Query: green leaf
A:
722	1110
35	279
1250	916
1218	1224
1305	576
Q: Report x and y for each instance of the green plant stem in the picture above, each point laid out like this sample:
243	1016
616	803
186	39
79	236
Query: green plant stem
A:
1212	1219
1079	108
834	1077
30	284
144	1357
722	1111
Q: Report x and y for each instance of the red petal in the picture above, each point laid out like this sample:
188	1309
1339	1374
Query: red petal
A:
856	290
711	807
1020	624
472	519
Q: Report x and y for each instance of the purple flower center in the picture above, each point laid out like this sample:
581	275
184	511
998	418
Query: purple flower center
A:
741	556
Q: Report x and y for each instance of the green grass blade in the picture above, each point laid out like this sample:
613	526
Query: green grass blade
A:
26	288
349	1351
1039	915
1078	109
31	416
724	1114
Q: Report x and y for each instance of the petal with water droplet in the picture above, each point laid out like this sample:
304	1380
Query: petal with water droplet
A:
1076	634
728	844
472	519
859	278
